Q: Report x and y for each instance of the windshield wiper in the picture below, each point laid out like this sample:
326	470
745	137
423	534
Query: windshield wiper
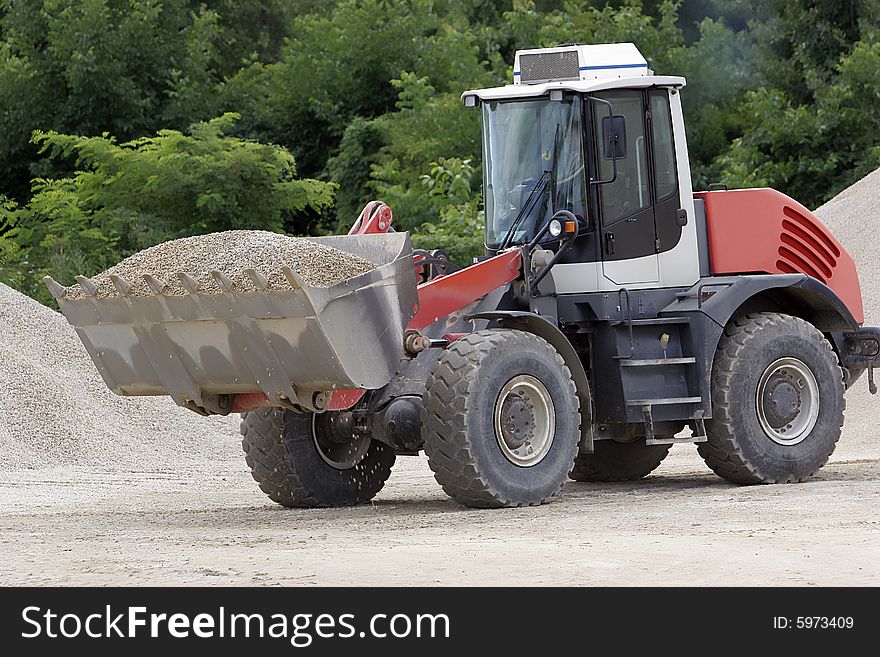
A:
523	212
540	186
553	172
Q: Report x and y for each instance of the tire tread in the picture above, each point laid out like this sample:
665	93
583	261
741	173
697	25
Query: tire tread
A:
279	475
722	452
444	418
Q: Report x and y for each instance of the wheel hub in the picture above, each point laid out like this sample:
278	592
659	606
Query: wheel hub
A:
787	401
518	420
525	420
781	399
339	449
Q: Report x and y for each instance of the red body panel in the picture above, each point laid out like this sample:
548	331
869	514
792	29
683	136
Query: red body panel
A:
343	399
446	294
245	402
765	231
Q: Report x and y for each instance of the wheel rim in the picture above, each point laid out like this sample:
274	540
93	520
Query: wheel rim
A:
339	452
525	420
787	400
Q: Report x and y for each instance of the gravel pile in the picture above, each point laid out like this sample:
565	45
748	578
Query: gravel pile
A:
854	216
56	410
231	253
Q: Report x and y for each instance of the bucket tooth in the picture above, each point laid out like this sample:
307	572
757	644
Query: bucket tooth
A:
57	289
189	283
122	285
292	277
87	285
223	281
154	284
257	278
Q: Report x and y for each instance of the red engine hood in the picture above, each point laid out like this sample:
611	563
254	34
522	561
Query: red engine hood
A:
765	231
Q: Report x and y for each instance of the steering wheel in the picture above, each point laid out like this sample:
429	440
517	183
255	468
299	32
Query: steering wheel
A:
516	197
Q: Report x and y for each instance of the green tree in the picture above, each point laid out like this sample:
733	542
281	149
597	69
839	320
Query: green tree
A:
10	251
459	227
350	168
341	65
118	66
365	95
803	41
812	151
720	67
128	196
427	126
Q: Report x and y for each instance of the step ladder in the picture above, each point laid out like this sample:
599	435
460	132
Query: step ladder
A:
635	372
698	424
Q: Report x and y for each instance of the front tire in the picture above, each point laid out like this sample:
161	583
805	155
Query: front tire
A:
296	463
777	399
501	421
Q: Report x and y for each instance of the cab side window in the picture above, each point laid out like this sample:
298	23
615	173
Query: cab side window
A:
629	193
665	171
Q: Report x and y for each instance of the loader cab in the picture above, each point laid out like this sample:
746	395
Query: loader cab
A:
590	130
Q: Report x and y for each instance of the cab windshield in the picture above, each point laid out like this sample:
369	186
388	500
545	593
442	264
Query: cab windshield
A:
532	149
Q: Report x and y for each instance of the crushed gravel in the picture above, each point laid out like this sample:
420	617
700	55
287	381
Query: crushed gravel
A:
230	252
55	409
853	216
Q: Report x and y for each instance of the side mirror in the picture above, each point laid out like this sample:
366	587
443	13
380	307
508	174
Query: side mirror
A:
614	137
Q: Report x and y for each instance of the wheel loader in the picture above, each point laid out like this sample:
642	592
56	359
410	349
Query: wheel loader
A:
614	314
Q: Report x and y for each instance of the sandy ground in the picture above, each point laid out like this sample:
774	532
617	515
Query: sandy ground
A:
210	524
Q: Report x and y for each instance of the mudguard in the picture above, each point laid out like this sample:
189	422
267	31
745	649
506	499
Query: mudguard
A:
722	297
717	299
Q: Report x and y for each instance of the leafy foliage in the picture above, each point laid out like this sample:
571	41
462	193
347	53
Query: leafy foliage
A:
125	197
459	229
10	251
813	149
425	124
363	96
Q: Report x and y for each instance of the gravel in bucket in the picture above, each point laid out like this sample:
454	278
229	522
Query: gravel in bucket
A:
230	253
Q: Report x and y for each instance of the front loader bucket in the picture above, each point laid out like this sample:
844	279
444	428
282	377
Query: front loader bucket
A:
287	343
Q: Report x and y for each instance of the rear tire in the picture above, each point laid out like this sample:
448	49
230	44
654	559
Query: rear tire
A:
500	422
777	400
283	455
615	461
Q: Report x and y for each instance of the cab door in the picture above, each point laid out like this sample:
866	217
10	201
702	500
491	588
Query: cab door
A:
628	237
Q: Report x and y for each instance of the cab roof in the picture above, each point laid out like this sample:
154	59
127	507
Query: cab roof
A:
581	68
514	91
